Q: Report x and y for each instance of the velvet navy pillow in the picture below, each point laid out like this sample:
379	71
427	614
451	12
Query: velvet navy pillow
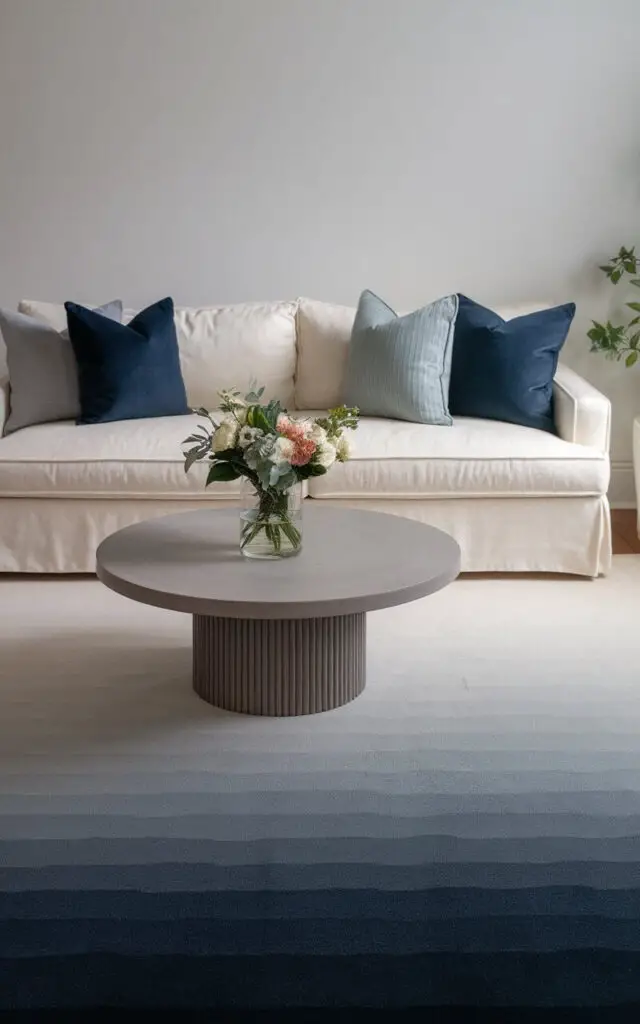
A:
127	371
504	369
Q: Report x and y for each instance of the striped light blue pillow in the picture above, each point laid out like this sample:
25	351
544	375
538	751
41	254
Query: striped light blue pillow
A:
399	366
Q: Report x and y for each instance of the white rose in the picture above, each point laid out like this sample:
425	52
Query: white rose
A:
226	435
343	450
283	449
325	455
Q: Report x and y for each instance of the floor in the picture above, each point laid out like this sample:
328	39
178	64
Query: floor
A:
625	531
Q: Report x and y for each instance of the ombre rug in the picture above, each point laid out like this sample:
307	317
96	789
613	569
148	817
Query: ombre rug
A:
465	834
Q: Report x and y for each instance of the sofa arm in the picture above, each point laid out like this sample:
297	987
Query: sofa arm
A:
4	403
582	413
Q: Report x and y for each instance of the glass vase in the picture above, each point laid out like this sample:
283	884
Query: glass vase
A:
270	522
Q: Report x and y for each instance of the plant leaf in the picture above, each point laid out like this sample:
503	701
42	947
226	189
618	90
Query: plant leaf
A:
615	276
222	472
271	412
597	332
190	457
198	439
635	306
631	359
259	419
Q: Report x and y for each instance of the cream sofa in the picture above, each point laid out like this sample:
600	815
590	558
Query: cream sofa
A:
516	499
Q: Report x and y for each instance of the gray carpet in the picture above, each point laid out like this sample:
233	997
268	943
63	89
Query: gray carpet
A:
467	833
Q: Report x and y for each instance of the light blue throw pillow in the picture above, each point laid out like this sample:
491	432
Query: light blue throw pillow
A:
399	367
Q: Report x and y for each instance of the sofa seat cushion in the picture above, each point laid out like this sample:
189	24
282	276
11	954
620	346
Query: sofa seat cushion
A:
127	459
472	458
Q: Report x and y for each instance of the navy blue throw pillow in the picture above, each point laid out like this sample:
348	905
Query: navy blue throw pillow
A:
131	372
504	369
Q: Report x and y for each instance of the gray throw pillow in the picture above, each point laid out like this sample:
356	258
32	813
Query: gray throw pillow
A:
43	377
399	366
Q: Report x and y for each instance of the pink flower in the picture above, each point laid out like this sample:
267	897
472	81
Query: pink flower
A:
303	450
288	428
304	446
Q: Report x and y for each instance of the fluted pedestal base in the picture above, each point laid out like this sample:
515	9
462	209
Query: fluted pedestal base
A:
279	666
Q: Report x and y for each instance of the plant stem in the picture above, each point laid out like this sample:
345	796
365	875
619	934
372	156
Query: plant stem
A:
273	516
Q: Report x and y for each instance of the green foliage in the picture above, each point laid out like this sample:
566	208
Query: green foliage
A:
311	469
201	444
339	419
626	262
264	417
222	472
619	342
258	453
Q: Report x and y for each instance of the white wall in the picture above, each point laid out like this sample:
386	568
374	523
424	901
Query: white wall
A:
226	150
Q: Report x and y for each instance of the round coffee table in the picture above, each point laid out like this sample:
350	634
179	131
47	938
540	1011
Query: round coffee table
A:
278	637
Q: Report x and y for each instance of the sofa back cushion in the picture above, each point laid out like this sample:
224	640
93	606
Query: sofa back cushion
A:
222	347
324	333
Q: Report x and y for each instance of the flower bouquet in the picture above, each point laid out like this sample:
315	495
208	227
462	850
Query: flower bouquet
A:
274	453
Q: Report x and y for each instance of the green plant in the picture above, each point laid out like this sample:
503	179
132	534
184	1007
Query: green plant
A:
622	341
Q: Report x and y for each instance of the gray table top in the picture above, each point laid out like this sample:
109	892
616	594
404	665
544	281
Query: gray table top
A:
351	561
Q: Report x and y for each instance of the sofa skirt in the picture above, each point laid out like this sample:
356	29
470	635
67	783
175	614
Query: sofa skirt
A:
551	535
